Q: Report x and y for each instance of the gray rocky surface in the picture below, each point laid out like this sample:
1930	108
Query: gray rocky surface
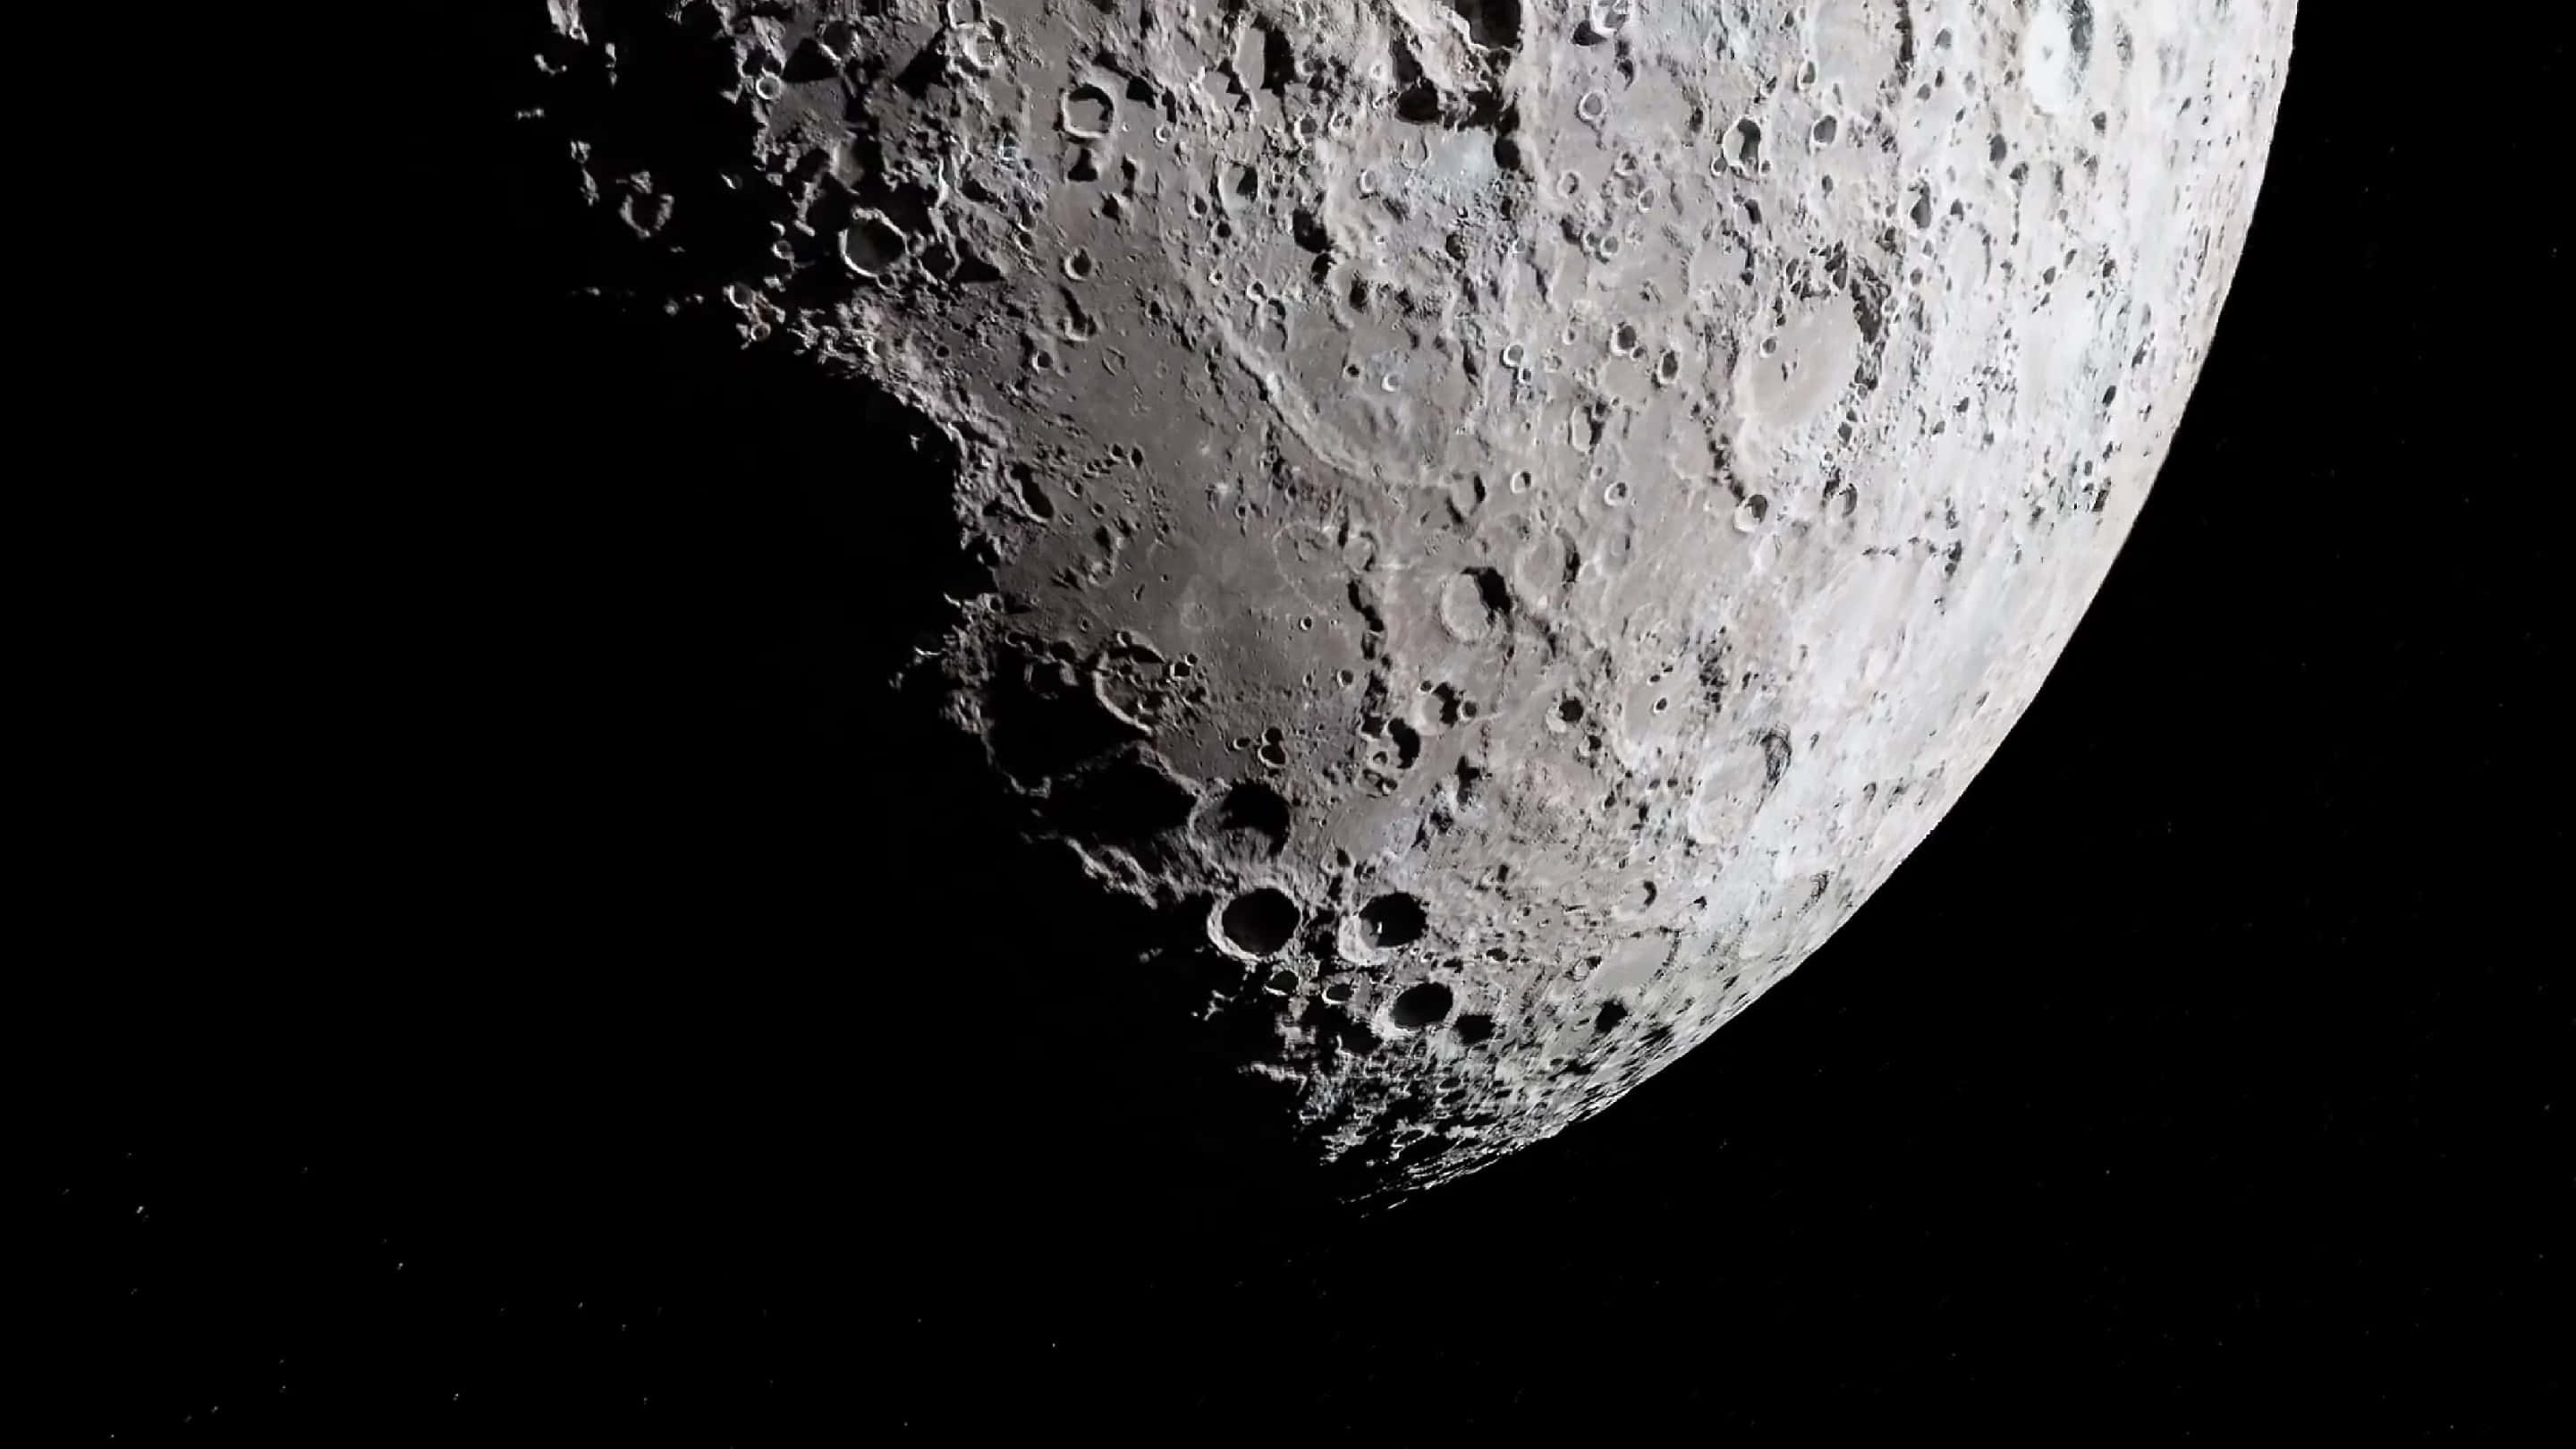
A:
1490	528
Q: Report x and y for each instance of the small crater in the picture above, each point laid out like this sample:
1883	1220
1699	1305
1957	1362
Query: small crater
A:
1746	154
1602	20
872	245
1612	1013
1260	922
1475	1027
1444	706
1309	233
1475	603
1424	1005
1252	816
1393	919
1408	743
1087	112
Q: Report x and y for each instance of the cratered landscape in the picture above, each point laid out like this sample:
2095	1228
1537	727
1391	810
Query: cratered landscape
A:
1471	536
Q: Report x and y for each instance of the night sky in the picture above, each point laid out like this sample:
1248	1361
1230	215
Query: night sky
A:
517	986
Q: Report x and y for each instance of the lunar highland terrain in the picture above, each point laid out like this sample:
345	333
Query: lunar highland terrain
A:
1470	535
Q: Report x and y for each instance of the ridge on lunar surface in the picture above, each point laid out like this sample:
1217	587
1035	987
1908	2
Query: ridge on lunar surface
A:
1492	526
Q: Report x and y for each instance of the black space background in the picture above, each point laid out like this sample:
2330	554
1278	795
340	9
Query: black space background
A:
508	987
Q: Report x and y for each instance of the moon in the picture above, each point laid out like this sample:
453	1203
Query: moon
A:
1496	524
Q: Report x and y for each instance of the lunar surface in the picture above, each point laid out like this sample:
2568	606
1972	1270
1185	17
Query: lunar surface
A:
1493	524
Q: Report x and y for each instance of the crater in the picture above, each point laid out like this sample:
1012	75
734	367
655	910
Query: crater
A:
1125	801
1394	919
1251	818
1420	1006
1474	603
871	246
1260	922
1087	112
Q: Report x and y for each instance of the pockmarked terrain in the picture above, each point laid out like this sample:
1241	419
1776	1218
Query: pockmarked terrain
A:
1488	528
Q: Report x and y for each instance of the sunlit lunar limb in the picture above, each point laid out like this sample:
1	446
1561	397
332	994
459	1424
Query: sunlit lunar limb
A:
1508	520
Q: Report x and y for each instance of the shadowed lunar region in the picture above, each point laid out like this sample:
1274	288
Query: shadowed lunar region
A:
1425	554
